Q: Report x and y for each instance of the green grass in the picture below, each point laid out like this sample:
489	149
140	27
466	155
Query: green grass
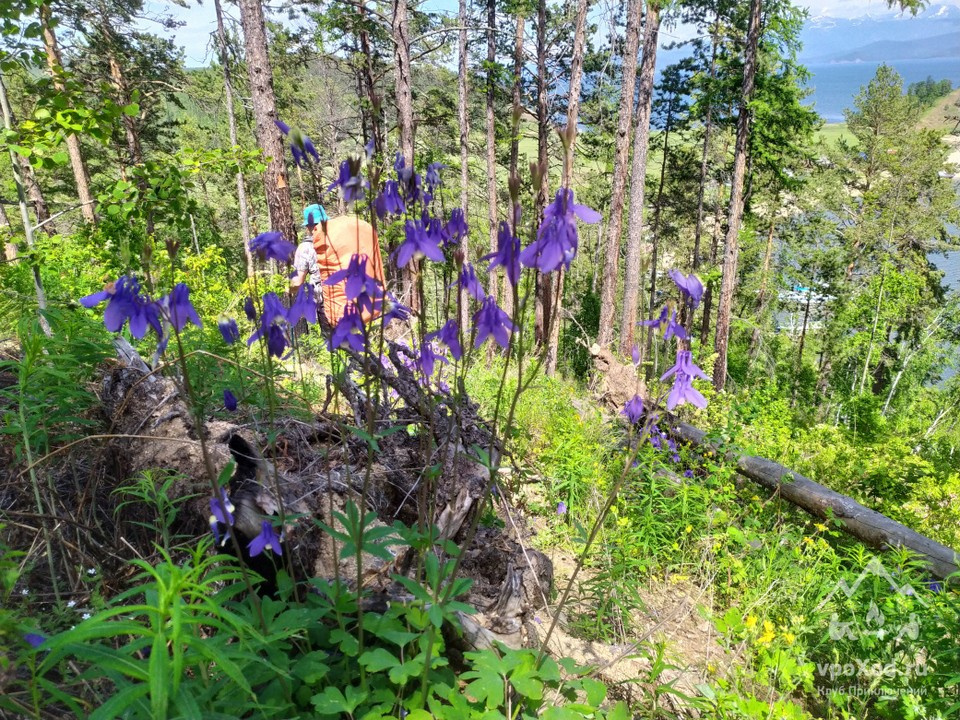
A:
832	133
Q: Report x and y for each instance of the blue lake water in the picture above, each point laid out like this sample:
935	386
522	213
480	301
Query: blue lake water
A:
834	85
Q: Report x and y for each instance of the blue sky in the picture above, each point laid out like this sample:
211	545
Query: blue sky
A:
200	20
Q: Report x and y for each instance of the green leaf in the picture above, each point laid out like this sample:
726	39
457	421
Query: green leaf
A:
595	690
131	110
378	660
119	702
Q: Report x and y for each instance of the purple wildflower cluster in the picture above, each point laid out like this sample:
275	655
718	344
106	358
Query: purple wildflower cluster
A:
301	146
684	371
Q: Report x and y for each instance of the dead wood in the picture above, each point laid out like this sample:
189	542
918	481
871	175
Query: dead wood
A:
867	525
317	467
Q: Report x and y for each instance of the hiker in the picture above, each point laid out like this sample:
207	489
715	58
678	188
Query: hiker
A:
305	259
345	237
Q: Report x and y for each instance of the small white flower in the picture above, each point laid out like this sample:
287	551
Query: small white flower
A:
25	591
85	616
71	603
92	571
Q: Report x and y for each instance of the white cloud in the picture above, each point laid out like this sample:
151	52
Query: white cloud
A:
858	8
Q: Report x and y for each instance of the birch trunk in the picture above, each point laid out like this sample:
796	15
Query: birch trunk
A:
464	120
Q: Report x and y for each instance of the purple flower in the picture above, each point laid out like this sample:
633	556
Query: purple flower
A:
428	359
221	513
229	401
683	391
272	322
349	330
656	322
684	365
561	508
300	144
272	246
179	309
416	245
457	228
125	302
689	285
304	306
249	310
276	340
634	409
350	182
656	442
557	241
229	330
491	321
674	329
396	310
635	355
435	231
34	640
507	255
675	458
467	279
688	473
449	335
266	540
308	146
389	200
358	285
433	174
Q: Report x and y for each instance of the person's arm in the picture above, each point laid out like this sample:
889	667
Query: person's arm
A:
297	280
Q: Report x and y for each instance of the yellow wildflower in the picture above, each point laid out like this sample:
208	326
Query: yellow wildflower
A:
768	633
750	622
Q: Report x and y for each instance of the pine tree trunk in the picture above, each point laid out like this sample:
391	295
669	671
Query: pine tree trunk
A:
464	119
762	292
573	115
655	241
491	142
55	65
24	214
542	312
705	152
621	161
708	289
518	58
260	74
638	175
732	244
234	142
404	93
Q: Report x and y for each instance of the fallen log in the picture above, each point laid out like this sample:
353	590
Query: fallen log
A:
865	524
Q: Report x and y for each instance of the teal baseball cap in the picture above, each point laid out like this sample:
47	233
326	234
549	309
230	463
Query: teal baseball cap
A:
313	214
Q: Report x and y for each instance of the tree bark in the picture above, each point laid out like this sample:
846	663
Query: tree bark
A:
518	57
705	152
491	142
762	293
234	142
260	74
732	245
400	30
655	242
24	214
55	65
638	176
542	312
867	525
621	160
464	119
